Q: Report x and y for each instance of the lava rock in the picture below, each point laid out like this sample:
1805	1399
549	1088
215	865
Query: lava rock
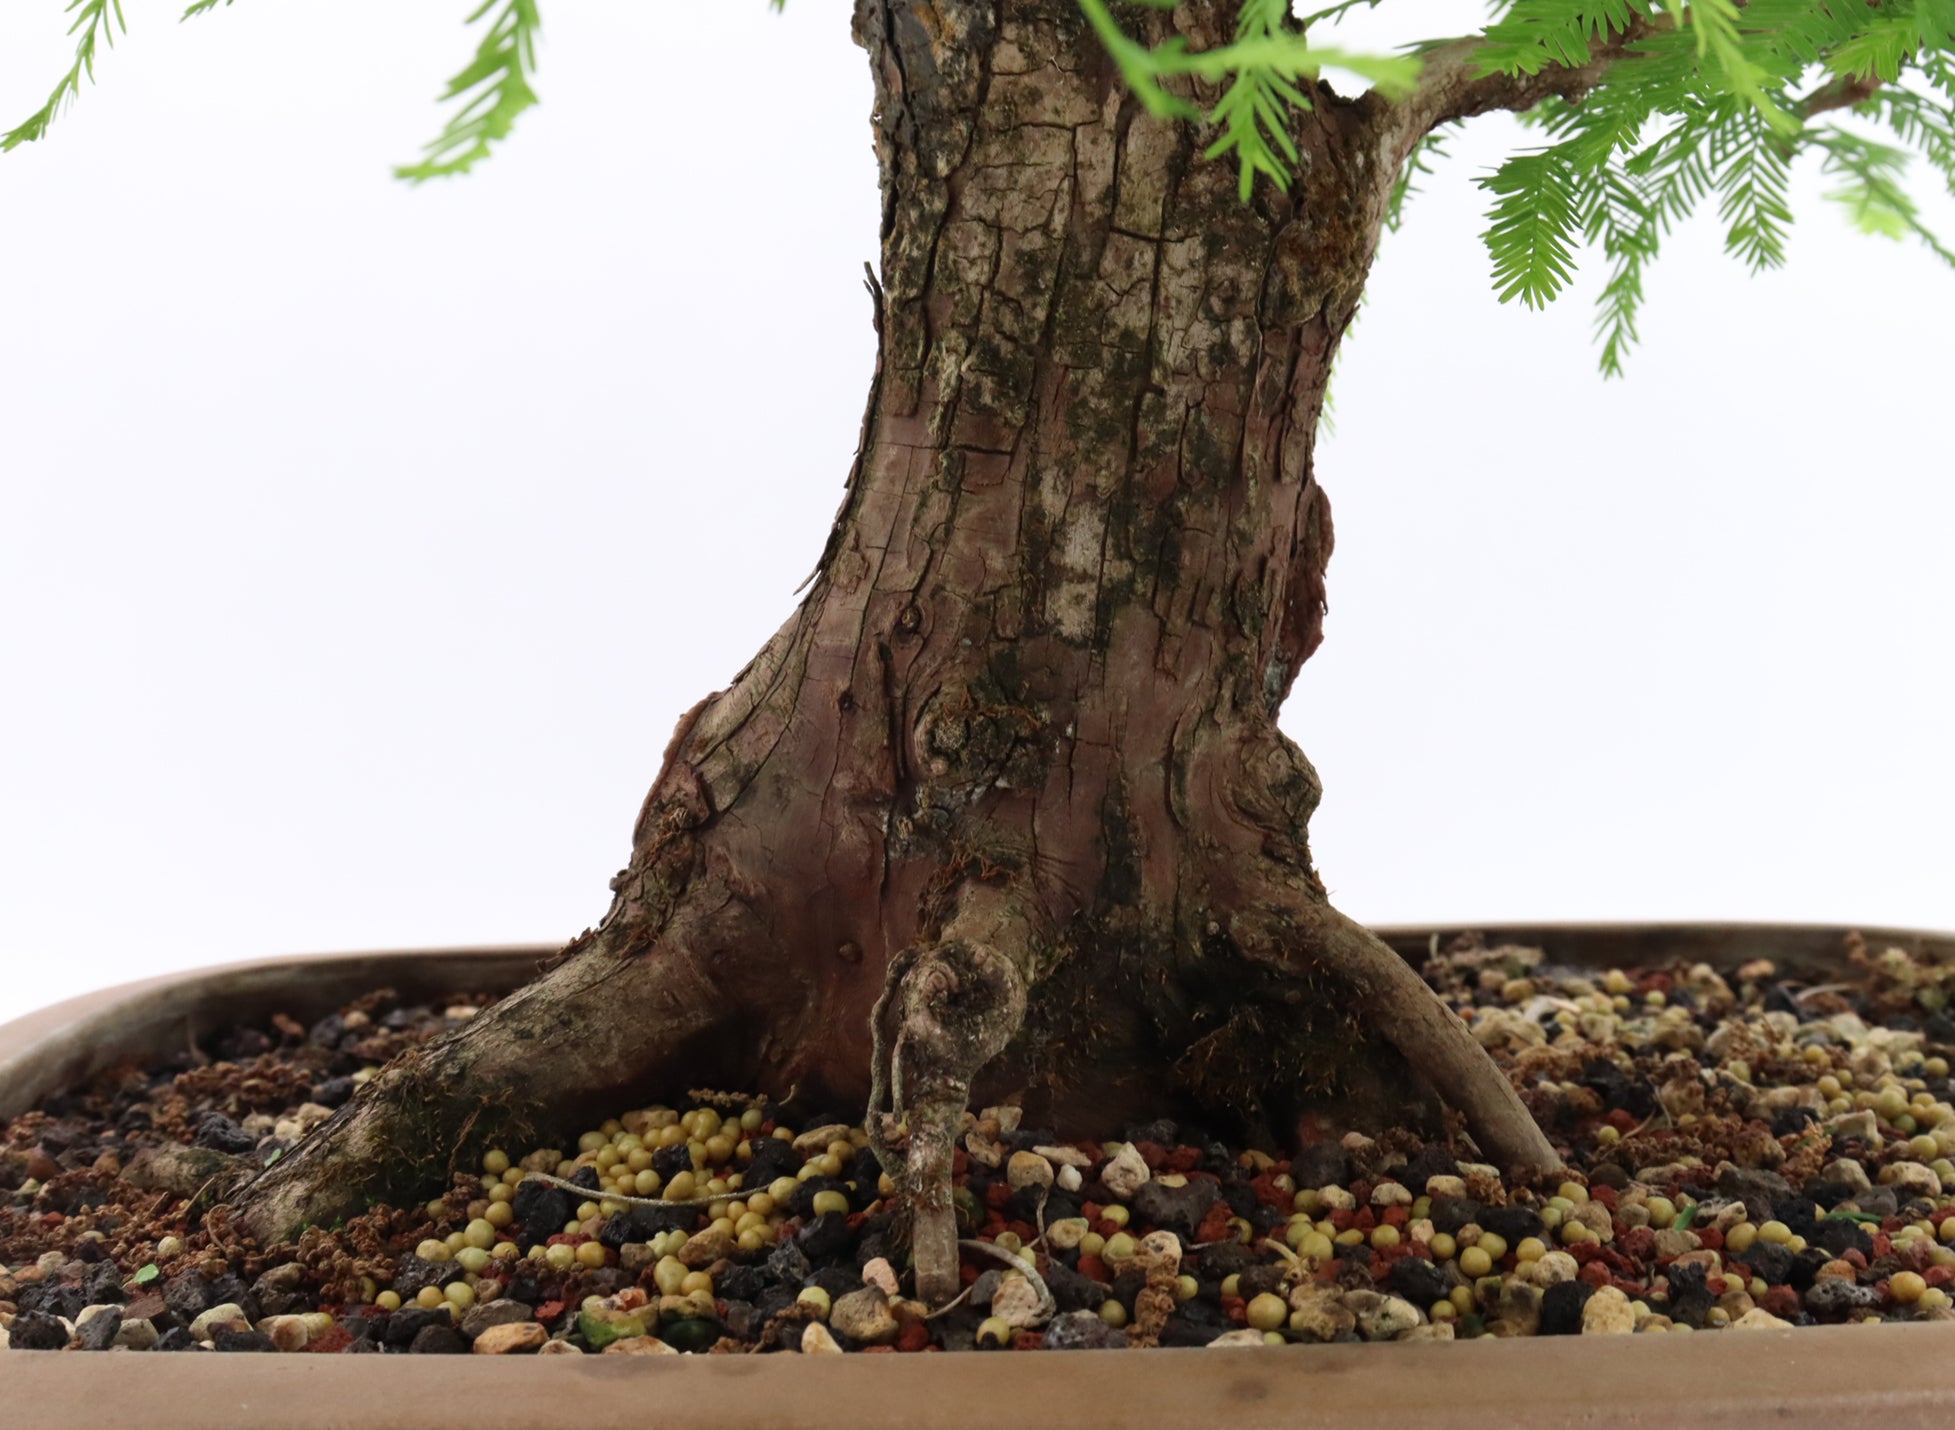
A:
1451	1213
327	1032
1082	1331
837	1281
1835	1296
489	1315
403	1326
668	1162
1561	1308
1840	1235
188	1295
644	1223
771	1302
1195	1323
1759	1190
231	1337
773	1158
1770	1262
870	1246
1176	1209
230	1288
413	1275
1690	1296
1432	1160
789	1265
540	1210
1073	1291
1511	1224
1806	1266
1878	1201
438	1341
1257	1280
1324	1165
1218	1263
55	1298
333	1093
865	1171
1265	1219
177	1338
37	1331
802	1203
99	1331
1417	1280
742	1283
280	1291
220	1134
695	1335
825	1238
1830	1192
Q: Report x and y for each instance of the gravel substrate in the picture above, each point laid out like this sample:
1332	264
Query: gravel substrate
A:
1742	1153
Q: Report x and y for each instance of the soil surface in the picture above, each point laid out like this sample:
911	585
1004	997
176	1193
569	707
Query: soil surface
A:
1742	1152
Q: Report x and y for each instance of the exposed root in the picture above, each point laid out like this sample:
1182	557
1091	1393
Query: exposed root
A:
1440	1049
1048	1305
957	1005
1294	927
622	1199
604	1021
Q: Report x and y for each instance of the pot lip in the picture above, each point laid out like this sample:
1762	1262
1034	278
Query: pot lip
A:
63	1017
57	1017
1820	1376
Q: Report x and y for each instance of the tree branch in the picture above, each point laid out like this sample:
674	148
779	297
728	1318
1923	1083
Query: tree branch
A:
1842	92
1451	87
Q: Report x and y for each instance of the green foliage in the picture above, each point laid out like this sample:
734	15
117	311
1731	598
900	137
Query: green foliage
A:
493	89
95	23
1709	98
1684	99
1259	69
1535	227
1529	38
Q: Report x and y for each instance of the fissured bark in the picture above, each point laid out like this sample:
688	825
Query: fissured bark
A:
1003	808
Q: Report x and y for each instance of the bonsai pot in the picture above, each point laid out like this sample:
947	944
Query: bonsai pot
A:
1833	1376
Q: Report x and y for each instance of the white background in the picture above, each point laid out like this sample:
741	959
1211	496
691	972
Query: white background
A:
359	545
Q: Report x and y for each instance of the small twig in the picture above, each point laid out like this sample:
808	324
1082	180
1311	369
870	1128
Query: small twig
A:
197	1055
1048	1304
1819	988
1283	1251
455	1150
953	1303
729	1099
602	1196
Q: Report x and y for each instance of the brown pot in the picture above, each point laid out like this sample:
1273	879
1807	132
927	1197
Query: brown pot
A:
1831	1376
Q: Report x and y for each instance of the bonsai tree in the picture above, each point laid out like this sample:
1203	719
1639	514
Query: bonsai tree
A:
1003	808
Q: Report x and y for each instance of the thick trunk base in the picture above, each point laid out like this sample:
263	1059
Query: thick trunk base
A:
1002	812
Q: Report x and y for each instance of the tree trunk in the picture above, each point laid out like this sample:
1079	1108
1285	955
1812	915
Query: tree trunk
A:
1003	809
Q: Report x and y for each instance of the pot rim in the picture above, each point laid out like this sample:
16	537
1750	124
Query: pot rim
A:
1821	1376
